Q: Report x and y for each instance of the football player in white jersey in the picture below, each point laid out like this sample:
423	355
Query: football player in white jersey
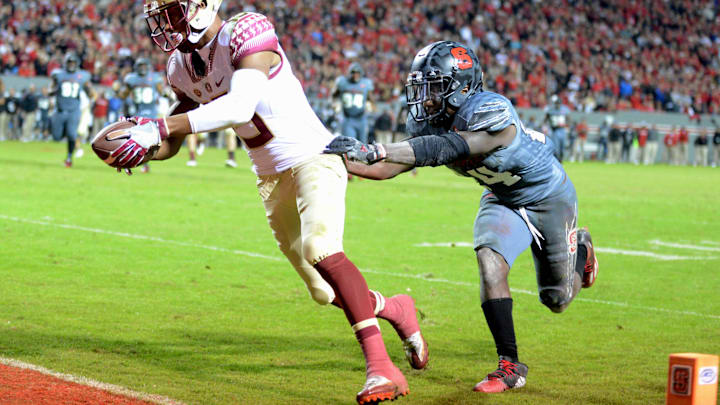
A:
235	74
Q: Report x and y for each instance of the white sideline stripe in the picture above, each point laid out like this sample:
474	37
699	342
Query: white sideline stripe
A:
410	276
143	237
115	389
601	250
685	246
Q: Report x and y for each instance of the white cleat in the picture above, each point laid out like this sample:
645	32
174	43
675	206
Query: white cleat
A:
191	163
231	163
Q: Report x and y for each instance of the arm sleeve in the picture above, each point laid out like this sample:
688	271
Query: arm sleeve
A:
236	107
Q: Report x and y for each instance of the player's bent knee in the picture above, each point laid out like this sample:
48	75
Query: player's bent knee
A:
318	247
323	295
492	266
556	300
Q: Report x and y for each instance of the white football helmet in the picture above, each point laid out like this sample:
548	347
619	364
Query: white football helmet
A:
172	22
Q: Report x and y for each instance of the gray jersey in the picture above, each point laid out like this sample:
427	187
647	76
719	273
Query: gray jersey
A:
69	86
523	173
143	92
354	95
557	116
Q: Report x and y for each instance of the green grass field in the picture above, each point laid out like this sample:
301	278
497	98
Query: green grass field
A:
171	283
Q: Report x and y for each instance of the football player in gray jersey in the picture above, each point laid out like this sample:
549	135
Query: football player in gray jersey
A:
142	89
67	82
354	92
529	200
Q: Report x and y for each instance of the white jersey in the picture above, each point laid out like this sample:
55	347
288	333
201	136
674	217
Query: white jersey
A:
284	130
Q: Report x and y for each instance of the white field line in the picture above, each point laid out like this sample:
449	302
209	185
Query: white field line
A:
384	273
602	250
685	246
115	389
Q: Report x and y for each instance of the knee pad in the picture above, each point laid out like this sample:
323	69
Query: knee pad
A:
318	247
555	299
322	294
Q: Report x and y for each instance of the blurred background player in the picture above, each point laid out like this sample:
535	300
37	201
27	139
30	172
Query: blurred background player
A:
142	88
67	84
354	92
556	115
230	146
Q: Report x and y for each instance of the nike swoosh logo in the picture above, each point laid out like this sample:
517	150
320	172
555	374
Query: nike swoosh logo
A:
125	135
217	84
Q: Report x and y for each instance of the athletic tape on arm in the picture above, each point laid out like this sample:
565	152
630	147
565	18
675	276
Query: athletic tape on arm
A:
438	150
235	108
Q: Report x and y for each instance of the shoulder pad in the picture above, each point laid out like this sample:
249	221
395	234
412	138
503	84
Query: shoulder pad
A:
251	33
486	111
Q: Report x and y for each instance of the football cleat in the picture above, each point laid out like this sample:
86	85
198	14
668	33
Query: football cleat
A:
231	163
508	375
379	388
68	163
145	168
591	262
191	163
414	344
79	152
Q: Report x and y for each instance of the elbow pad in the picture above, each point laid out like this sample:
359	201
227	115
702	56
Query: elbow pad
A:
234	108
438	150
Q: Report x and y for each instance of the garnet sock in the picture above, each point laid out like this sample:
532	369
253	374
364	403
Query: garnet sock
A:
353	297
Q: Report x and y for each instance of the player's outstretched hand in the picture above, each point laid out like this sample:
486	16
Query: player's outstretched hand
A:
143	144
356	150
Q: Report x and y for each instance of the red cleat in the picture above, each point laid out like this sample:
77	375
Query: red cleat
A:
407	326
508	375
68	163
380	388
591	263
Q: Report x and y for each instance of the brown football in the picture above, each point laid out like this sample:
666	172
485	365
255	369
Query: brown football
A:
110	138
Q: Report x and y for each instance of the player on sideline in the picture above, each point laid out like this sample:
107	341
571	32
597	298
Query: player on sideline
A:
235	74
143	86
529	201
556	114
354	92
67	82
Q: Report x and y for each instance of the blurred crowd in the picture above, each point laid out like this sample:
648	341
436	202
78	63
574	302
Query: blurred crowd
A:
610	55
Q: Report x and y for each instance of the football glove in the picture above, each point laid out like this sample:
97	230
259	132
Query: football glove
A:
356	150
144	142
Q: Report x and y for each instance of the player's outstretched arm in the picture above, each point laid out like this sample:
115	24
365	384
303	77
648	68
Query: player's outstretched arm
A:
248	84
171	145
378	171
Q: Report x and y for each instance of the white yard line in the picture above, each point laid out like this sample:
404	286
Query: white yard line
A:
603	250
384	273
685	246
115	389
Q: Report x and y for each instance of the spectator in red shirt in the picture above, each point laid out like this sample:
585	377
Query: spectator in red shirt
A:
582	132
670	141
682	145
